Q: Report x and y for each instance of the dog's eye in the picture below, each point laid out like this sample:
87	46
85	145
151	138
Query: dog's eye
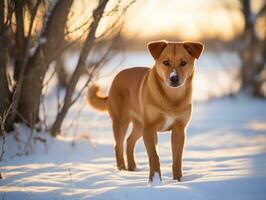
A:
166	62
183	63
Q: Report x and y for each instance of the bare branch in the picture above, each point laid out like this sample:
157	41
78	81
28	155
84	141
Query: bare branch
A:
262	11
88	44
32	17
86	23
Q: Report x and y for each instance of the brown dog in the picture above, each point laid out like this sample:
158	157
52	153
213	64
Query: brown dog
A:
156	99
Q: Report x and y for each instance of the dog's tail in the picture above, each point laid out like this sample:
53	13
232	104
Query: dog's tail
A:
97	101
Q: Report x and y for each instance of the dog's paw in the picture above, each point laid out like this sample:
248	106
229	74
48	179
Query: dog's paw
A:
155	179
177	174
132	168
178	178
121	167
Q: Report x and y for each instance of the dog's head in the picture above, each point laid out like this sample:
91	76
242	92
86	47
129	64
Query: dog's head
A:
174	61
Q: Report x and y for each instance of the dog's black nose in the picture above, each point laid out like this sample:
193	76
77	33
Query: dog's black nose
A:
174	80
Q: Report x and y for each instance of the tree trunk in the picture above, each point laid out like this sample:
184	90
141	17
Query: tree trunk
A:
87	46
49	48
5	94
259	79
249	58
252	49
250	42
19	38
4	90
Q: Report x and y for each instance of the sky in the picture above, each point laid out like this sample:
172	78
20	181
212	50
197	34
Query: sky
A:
186	19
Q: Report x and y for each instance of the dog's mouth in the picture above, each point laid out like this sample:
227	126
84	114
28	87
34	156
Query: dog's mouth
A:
174	85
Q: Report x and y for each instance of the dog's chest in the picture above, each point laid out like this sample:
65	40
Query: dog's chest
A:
168	121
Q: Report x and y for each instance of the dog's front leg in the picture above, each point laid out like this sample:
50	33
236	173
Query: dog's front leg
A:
177	141
150	144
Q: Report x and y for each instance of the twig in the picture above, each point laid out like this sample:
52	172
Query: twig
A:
68	32
71	180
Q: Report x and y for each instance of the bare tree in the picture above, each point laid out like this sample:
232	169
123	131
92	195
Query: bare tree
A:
32	66
253	51
49	48
31	54
87	47
33	34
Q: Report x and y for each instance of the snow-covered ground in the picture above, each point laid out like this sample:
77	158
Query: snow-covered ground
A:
224	158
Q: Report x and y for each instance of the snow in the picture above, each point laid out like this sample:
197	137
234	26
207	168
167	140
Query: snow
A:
224	156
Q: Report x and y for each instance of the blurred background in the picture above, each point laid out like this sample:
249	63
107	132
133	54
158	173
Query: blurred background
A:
52	50
54	146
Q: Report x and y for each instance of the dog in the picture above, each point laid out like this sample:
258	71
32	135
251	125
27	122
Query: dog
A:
154	99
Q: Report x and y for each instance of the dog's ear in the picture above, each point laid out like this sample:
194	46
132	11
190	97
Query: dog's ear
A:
194	48
156	48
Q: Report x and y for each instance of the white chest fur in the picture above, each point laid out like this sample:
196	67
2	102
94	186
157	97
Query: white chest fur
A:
167	123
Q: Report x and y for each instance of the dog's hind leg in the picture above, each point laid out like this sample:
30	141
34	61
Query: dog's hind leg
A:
131	141
120	128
